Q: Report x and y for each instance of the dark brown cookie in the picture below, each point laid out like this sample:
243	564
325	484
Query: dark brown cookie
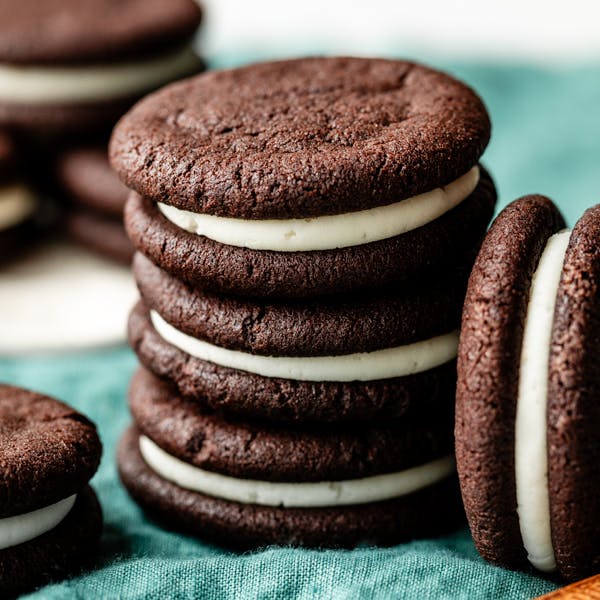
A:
449	240
70	32
279	452
301	138
104	235
488	373
60	552
573	406
48	451
86	177
323	327
428	512
255	397
488	378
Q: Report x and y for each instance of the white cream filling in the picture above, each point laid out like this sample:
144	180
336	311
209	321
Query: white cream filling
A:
531	461
17	203
327	232
305	494
362	366
44	85
22	528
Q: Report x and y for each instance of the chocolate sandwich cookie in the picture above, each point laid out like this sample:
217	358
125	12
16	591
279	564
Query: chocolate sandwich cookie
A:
18	204
246	485
336	358
97	197
306	177
76	65
527	414
50	519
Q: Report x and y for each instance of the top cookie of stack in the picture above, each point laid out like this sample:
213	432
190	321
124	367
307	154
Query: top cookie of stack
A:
306	177
76	65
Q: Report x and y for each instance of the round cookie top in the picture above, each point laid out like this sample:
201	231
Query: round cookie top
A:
48	451
86	176
488	373
301	138
277	452
66	32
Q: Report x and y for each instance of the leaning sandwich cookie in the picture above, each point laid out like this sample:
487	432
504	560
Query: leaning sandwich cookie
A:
527	414
50	519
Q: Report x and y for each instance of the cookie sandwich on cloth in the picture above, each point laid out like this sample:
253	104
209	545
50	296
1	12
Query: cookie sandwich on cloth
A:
50	519
527	414
304	230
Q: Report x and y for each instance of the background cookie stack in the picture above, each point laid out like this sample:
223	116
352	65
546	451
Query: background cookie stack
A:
68	70
304	233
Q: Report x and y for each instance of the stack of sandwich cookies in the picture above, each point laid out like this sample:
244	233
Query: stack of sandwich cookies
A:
527	419
304	230
18	205
50	519
76	65
95	215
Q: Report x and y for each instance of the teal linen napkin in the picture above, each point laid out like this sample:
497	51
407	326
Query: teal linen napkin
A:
140	560
546	139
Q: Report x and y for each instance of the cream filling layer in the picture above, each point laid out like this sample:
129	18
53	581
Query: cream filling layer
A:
305	494
331	231
17	203
22	528
531	460
362	366
45	85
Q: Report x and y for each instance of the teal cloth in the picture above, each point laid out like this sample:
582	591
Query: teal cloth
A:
546	134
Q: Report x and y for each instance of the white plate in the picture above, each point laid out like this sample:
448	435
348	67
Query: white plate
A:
61	297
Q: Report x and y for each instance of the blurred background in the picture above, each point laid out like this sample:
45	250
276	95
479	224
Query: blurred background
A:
535	63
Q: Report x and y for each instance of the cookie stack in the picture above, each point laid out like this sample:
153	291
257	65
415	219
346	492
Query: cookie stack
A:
68	70
304	230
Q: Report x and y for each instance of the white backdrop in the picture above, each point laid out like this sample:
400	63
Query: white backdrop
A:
542	31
